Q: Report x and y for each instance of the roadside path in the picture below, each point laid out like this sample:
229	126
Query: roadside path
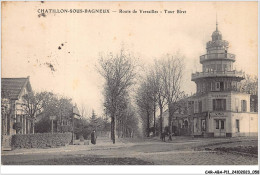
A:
181	151
105	144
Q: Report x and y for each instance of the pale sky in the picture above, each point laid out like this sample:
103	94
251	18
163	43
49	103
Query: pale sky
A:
30	42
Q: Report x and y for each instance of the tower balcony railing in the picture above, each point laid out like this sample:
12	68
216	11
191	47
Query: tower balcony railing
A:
234	73
229	56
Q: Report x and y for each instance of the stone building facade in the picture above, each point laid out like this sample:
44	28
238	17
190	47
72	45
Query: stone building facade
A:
219	108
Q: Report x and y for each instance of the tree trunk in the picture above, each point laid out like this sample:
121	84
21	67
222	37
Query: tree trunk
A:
148	124
33	122
33	126
161	124
118	129
170	121
154	116
113	129
123	130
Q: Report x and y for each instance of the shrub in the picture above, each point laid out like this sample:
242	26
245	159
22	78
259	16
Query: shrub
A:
17	126
41	140
86	132
81	138
43	126
66	128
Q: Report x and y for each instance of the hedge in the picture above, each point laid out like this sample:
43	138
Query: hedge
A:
41	140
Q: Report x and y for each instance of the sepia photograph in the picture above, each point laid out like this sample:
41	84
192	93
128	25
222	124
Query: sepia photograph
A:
130	83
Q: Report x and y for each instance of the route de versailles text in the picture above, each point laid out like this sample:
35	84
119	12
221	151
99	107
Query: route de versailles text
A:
151	11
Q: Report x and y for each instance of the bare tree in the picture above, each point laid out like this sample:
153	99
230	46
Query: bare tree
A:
51	105
131	122
172	73
119	73
250	85
32	105
152	93
122	114
153	88
82	110
144	99
156	79
127	121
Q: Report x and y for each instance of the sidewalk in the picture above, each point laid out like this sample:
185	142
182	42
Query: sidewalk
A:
179	139
106	144
101	145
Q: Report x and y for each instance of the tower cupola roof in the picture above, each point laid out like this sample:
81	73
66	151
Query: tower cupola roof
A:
216	35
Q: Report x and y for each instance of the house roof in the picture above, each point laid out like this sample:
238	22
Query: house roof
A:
75	110
12	87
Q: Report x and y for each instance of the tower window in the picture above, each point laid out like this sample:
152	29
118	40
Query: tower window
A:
236	104
237	126
221	86
243	106
203	125
196	107
200	106
222	124
234	85
212	86
225	67
203	87
217	86
217	124
213	67
219	104
218	67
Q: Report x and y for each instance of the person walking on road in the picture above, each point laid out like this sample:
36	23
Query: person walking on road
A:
93	137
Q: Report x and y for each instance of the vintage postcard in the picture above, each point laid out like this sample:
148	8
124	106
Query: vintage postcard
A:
130	83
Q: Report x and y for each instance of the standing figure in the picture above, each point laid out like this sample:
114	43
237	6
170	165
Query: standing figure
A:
163	136
93	137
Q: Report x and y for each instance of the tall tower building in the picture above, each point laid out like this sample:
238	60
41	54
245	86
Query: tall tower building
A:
220	108
217	73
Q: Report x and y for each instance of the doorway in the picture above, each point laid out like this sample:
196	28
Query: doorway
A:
220	128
